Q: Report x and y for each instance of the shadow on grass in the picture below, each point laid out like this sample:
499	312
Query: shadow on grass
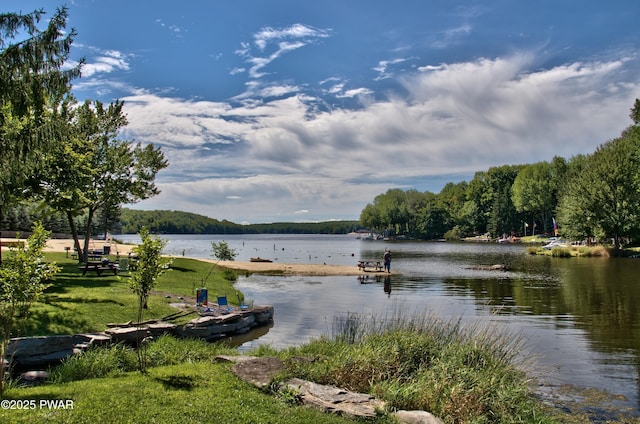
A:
177	382
46	323
182	269
55	300
71	277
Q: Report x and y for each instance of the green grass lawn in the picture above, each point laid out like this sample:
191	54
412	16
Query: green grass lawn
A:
201	392
76	304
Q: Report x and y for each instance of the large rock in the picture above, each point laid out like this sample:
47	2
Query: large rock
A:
417	417
334	399
258	371
38	352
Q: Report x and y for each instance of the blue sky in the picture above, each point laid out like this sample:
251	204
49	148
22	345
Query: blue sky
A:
273	111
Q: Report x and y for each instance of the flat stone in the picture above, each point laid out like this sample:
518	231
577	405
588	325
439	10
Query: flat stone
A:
36	346
335	400
258	371
127	334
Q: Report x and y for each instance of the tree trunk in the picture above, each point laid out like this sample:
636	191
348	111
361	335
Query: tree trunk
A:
76	241
87	232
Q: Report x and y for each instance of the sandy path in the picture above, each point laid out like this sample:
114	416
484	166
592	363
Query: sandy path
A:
59	245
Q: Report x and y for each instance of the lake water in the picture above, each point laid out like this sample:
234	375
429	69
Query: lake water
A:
579	317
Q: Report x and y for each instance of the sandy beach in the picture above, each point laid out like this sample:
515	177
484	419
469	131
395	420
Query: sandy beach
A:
59	245
294	269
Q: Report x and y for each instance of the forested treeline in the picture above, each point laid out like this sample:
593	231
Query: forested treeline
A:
172	222
130	221
587	196
177	222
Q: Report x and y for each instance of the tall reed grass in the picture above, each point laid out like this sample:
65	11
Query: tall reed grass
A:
461	373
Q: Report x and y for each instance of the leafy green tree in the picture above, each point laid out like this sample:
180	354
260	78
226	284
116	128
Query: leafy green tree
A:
222	251
453	198
91	168
415	202
370	218
24	276
493	211
151	265
604	199
534	191
433	221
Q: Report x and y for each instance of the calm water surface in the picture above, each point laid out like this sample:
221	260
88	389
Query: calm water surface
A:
579	317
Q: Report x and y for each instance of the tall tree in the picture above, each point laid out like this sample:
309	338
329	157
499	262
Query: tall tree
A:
534	191
91	168
31	74
604	199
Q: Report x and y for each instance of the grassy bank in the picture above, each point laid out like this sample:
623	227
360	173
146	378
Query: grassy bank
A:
572	251
183	385
76	304
461	375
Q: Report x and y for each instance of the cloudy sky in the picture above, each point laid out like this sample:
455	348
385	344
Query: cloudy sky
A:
297	110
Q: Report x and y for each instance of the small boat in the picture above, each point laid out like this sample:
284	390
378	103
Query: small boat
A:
259	259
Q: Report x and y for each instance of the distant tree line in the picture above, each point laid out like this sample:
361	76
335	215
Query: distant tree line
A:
178	222
587	196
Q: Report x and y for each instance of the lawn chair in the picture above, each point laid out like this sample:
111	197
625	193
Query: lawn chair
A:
243	306
223	304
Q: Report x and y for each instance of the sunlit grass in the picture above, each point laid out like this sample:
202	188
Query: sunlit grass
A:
192	392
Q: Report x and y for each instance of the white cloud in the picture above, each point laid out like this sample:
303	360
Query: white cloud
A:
259	161
383	66
283	40
105	62
297	31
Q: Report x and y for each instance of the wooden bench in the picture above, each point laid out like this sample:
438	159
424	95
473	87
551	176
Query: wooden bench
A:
371	265
98	267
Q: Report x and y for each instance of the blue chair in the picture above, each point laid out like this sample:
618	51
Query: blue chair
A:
223	304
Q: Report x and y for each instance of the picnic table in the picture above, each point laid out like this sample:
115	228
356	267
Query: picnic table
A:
372	265
99	267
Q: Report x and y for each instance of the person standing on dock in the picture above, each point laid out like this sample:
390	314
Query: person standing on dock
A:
387	260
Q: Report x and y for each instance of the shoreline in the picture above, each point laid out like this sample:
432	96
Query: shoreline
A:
59	245
295	269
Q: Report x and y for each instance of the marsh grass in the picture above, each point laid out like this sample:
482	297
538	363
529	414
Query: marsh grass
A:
598	251
561	252
417	361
